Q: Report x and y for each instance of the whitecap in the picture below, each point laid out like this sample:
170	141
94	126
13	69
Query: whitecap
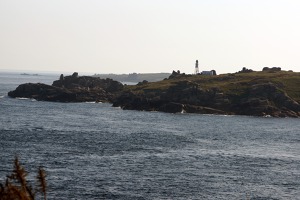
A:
267	116
23	98
93	102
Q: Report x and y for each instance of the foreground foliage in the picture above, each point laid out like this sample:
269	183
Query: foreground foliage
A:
16	186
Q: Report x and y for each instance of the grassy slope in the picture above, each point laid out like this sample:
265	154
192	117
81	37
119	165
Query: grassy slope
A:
232	83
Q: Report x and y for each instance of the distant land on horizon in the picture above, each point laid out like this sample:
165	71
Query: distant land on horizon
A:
135	77
154	77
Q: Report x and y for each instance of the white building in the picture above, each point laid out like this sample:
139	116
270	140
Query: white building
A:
210	73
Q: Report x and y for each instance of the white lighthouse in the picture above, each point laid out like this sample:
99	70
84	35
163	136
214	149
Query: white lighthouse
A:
196	68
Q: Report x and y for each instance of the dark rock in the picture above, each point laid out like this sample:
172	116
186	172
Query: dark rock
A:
254	97
75	75
264	99
203	110
143	82
245	70
267	99
171	107
70	89
43	92
214	73
176	74
88	82
273	69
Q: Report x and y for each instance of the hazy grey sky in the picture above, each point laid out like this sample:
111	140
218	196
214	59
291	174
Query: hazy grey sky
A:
125	36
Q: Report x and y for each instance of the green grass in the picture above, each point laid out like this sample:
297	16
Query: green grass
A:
234	84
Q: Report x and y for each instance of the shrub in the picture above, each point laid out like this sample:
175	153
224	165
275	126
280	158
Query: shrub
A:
16	186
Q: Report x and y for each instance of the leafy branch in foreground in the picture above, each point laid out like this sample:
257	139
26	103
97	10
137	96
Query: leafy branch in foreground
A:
16	186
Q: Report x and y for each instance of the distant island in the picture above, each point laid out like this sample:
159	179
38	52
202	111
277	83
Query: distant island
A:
270	92
72	88
135	77
26	74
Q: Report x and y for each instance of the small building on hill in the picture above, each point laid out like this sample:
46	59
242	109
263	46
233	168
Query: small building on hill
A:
209	73
206	73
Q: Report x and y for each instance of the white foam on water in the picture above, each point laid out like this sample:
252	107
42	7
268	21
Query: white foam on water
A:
90	102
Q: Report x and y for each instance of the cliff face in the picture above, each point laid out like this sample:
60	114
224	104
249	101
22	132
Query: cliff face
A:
267	99
70	89
257	94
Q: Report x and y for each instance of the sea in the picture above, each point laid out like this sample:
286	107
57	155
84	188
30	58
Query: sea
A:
96	151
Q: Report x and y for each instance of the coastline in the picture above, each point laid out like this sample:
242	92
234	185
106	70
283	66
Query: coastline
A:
254	94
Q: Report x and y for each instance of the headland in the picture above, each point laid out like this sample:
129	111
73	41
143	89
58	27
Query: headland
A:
270	92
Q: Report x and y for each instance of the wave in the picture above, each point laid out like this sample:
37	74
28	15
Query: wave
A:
23	98
93	102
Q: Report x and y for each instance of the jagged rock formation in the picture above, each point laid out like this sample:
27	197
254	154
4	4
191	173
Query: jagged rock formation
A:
272	69
87	82
257	97
184	96
274	94
70	89
268	99
260	100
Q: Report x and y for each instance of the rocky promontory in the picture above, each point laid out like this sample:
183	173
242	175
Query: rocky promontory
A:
274	94
265	93
71	89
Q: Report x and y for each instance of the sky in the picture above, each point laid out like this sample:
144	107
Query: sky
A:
147	36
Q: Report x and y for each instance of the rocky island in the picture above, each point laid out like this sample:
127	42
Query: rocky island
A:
266	93
71	89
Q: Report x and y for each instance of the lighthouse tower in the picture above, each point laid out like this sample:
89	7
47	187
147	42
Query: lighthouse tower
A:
196	68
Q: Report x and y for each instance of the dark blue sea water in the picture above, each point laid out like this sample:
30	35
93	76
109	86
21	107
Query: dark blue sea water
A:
95	151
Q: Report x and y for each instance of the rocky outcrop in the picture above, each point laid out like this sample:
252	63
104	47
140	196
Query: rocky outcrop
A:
180	93
70	89
268	99
272	69
43	92
88	82
185	96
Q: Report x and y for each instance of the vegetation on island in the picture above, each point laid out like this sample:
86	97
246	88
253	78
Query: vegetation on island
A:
264	93
16	186
235	84
270	92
